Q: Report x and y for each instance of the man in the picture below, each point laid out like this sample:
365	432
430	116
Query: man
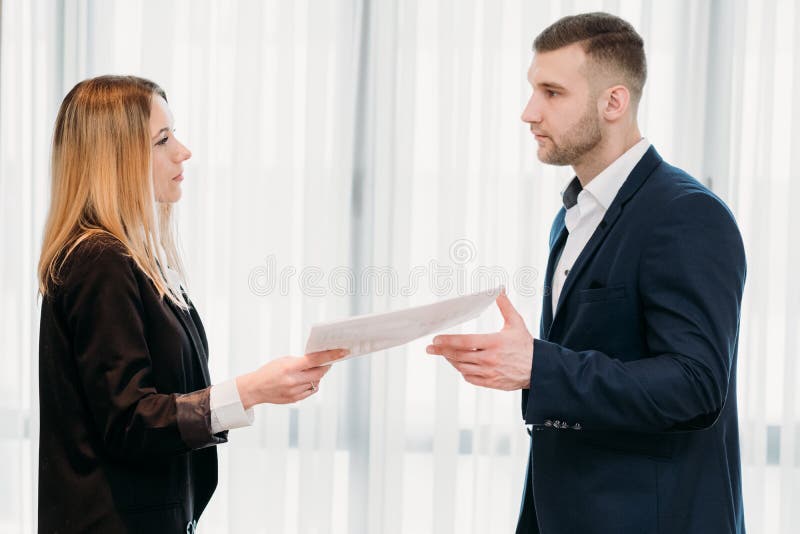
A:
630	389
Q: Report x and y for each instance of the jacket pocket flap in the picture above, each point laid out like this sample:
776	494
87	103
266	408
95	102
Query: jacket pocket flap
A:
600	294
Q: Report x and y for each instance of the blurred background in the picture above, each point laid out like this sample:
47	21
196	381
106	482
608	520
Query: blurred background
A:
355	156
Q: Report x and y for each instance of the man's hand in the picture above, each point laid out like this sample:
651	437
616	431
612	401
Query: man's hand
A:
499	361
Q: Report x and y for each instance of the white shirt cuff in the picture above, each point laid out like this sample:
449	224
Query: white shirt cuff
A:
227	411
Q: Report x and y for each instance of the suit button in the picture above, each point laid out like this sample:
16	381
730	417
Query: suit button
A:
548	423
577	426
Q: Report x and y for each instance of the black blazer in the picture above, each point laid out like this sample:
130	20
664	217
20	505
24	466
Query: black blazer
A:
633	387
125	442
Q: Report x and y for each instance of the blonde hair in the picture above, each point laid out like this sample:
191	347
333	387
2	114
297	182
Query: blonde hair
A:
102	182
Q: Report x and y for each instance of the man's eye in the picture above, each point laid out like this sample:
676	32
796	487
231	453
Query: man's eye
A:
551	93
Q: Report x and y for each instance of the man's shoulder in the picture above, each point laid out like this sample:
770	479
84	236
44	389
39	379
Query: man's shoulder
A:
673	182
670	187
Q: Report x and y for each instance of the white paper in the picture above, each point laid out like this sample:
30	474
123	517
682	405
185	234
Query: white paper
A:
378	331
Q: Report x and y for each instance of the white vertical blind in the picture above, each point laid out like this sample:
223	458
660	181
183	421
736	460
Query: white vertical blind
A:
30	72
354	156
763	186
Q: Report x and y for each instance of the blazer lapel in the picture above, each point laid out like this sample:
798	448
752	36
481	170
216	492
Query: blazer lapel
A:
194	336
638	175
558	238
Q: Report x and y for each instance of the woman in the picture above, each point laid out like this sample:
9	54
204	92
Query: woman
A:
129	418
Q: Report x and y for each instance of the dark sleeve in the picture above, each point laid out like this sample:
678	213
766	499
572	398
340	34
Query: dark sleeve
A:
104	312
691	279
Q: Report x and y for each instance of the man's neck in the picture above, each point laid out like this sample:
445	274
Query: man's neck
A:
604	154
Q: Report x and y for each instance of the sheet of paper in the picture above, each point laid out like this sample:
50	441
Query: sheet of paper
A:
378	331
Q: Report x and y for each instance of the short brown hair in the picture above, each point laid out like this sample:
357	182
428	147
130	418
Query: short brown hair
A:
607	39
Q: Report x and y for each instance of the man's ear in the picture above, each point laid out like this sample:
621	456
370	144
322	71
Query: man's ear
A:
616	102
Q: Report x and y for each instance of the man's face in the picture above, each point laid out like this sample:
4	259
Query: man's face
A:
562	110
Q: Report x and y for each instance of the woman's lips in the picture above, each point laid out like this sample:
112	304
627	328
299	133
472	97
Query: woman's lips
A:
178	178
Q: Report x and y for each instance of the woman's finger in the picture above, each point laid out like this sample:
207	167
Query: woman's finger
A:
325	357
301	394
314	374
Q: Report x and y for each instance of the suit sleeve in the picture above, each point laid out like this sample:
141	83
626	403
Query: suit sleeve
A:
104	312
691	279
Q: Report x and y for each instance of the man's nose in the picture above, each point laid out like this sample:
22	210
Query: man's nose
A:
532	112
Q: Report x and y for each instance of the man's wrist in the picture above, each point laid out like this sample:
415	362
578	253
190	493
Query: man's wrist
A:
530	374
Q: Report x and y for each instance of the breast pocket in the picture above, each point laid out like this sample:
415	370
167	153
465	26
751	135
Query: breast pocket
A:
604	319
601	294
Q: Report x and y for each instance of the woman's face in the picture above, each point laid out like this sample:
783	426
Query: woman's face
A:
168	153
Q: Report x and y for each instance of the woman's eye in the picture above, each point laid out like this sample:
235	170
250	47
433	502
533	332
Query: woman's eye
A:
163	141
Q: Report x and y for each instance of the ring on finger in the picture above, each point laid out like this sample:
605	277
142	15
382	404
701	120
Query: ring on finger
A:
313	386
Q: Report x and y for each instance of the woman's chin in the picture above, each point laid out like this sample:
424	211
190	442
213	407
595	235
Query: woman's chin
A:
170	197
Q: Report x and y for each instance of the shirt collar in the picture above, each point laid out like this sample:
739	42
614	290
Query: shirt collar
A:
570	195
605	186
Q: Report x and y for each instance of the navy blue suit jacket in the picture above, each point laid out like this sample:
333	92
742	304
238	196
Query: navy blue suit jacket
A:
632	398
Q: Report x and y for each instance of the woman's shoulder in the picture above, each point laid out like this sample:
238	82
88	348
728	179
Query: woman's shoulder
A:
96	256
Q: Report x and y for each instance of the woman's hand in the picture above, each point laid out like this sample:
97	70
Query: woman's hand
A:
286	380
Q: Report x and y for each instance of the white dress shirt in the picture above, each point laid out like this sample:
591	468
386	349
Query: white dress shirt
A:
227	410
583	218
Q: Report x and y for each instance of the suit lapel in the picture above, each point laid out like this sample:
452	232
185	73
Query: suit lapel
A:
638	175
194	336
558	238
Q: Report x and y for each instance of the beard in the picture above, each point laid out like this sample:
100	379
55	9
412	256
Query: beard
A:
580	139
